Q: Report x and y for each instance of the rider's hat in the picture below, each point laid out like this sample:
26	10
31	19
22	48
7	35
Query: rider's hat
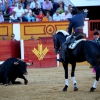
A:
74	12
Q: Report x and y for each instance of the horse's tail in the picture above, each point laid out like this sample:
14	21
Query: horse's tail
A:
98	57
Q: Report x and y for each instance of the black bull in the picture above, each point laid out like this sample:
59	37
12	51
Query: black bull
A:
84	51
12	69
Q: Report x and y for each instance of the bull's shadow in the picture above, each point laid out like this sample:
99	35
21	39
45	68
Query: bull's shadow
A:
84	51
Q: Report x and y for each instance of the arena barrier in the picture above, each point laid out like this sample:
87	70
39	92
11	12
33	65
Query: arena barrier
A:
9	49
25	30
6	29
41	51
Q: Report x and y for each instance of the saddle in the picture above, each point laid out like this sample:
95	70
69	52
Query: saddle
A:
71	42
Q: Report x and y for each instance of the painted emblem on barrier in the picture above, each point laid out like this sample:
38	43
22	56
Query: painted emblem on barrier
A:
50	29
40	53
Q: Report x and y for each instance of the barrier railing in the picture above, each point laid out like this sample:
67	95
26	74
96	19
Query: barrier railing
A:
92	25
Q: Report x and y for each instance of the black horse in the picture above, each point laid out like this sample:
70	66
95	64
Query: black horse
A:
84	51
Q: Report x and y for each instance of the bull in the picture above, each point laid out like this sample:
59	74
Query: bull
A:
12	69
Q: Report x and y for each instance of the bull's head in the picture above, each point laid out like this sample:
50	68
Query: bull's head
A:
22	66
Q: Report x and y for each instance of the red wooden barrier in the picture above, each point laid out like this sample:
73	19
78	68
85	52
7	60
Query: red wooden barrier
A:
9	49
41	52
92	25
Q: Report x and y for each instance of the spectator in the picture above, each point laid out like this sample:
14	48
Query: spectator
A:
11	9
47	6
36	10
66	15
4	37
11	3
1	17
32	5
28	14
61	8
40	16
56	4
47	17
19	12
96	37
17	2
27	2
70	8
4	6
32	38
13	37
13	17
57	16
23	4
41	2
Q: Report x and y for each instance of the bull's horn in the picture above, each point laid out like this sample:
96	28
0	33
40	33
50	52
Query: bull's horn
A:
29	64
15	63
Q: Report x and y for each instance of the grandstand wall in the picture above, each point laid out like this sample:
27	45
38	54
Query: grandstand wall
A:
25	30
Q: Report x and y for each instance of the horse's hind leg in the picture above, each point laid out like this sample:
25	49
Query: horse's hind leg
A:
95	83
73	76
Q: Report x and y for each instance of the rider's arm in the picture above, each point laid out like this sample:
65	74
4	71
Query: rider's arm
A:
85	12
70	26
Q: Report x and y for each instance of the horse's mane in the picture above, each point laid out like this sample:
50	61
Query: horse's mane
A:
61	37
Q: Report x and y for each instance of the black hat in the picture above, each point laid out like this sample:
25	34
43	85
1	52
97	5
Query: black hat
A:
73	12
96	33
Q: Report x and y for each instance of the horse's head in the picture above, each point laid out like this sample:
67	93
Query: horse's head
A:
59	38
56	43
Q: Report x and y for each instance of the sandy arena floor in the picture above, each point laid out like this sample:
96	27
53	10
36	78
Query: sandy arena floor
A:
47	84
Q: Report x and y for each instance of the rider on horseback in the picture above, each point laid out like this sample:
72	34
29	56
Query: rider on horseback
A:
76	23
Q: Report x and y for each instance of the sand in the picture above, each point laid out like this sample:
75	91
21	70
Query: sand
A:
47	84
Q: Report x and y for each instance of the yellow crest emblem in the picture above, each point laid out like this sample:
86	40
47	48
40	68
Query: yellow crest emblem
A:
40	53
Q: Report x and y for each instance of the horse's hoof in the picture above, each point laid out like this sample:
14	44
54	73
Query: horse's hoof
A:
75	88
26	82
92	89
5	84
65	88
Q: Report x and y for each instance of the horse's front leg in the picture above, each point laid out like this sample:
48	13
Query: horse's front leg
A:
95	83
73	76
65	65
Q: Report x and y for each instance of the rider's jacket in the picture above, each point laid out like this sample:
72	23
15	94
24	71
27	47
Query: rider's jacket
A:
77	23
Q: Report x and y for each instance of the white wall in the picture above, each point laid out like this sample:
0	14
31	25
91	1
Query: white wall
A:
85	29
82	2
16	30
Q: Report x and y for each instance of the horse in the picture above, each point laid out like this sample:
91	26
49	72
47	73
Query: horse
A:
85	51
